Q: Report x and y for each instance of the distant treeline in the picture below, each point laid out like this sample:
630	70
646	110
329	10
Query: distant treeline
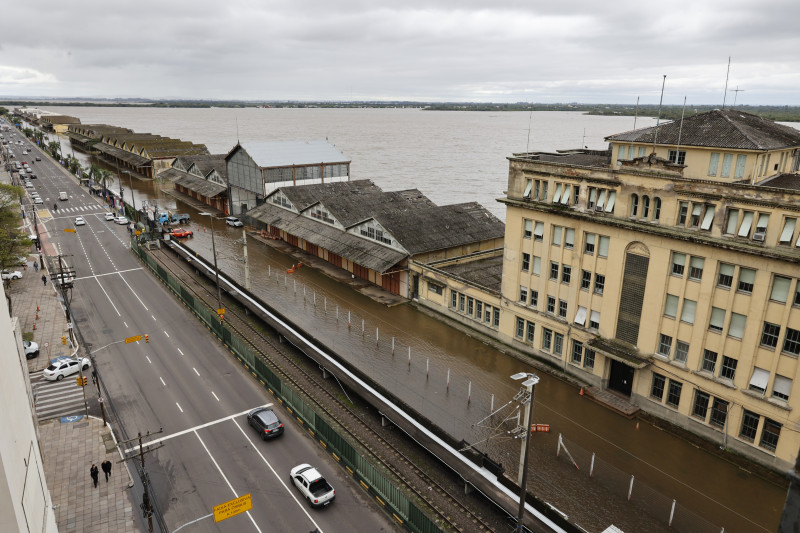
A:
670	112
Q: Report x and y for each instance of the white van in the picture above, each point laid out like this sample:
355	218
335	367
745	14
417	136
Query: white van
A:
63	196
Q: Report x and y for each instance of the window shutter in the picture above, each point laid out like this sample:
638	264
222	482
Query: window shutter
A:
592	195
708	218
736	327
567	194
717	318
780	289
782	385
602	250
697	209
763	222
595	317
601	200
713	165
747	275
733	220
788	229
726	269
671	306
689	308
537	264
727	159
612	196
580	316
539	231
557	195
747	223
622	151
590	237
528	188
557	230
528	226
741	161
697	262
569	239
678	259
760	378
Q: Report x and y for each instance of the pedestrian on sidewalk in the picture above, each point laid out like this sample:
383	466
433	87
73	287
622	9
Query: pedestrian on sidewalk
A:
106	466
94	380
94	473
36	266
44	280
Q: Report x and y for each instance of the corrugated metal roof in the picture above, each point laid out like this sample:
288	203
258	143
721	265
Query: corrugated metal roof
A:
289	153
200	185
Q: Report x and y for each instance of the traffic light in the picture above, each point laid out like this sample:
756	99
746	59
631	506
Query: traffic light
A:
64	339
147	338
81	381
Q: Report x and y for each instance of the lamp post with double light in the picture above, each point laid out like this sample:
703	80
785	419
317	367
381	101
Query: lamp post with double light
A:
525	395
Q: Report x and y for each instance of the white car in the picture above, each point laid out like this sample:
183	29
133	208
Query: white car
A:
110	216
7	274
316	490
31	349
65	367
37	200
233	221
29	185
80	222
121	220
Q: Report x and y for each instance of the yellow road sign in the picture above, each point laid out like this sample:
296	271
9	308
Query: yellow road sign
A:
69	230
133	339
232	507
221	311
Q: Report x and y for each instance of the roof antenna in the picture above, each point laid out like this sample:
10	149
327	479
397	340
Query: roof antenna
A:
636	113
737	90
237	129
680	132
658	120
725	94
530	119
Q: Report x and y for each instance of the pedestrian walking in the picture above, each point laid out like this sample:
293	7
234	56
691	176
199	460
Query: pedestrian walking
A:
36	266
106	466
94	376
44	280
94	472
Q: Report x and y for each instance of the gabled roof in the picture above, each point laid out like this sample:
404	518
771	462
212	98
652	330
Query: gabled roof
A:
303	196
727	128
291	153
783	181
351	209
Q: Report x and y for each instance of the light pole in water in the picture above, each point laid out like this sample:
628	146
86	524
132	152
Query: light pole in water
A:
216	270
524	396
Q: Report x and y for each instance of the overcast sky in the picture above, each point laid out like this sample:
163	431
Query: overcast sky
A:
433	50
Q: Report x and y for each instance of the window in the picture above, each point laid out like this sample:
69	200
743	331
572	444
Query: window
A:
697	213
681	351
551	305
747	224
496	317
588	360
547	339
558	343
645	207
470	305
674	393
658	386
569	238
788	231
553	270
526	261
737	325
594	320
487	314
576	194
537	265
747	278
664	345
709	361
728	368
436	288
586	279
761	227
589	246
688	311
478	309
634	205
713	165
580	316
461	302
534	298
700	409
759	380
528	187
770	334
599	283
770	434
719	413
741	162
683	213
577	352
520	328
540	190
656	209
678	264
453	299
797	293
781	388
677	156
523	295
749	428
602	250
791	344
708	218
557	194
557	231
538	231
725	277
733	221
717	319
562	309
780	289
531	329
696	268
566	274
528	232
727	160
622	150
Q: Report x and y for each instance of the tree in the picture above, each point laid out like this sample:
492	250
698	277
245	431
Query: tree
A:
13	242
55	149
73	164
102	176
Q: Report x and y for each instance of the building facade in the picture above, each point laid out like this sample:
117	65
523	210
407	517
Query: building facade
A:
666	269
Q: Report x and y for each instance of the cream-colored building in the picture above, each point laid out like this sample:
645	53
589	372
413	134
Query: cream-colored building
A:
666	269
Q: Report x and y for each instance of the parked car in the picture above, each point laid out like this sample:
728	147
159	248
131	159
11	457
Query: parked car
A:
28	185
80	222
180	232
121	220
37	200
66	367
110	216
316	490
265	422
38	158
31	349
11	274
32	176
233	221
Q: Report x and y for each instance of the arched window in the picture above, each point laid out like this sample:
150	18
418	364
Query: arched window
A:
634	204
645	207
656	208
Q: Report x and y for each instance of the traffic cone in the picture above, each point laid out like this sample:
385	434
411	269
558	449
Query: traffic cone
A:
34	326
37	308
581	393
37	314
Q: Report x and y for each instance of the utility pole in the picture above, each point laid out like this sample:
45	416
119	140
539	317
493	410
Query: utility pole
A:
246	265
525	395
147	508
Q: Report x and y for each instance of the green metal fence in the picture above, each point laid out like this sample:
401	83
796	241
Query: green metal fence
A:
397	504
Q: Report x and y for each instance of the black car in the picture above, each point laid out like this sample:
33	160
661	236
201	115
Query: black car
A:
266	422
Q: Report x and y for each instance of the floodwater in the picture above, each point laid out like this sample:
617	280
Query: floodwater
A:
455	157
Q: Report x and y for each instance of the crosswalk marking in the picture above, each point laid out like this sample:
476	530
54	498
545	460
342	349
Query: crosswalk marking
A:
54	399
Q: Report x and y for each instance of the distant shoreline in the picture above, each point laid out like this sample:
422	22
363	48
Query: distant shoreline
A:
668	112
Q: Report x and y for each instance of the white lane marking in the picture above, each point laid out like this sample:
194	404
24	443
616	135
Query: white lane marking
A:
148	359
190	430
165	333
162	381
179	351
179	406
125	323
153	317
109	298
134	293
292	492
214	395
195	371
226	479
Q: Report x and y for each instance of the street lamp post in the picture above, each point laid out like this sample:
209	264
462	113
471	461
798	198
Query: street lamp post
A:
133	198
216	269
525	396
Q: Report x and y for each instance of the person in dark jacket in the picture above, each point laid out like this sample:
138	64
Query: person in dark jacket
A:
106	466
94	472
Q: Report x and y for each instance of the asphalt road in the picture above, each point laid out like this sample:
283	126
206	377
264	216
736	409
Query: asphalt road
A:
184	382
